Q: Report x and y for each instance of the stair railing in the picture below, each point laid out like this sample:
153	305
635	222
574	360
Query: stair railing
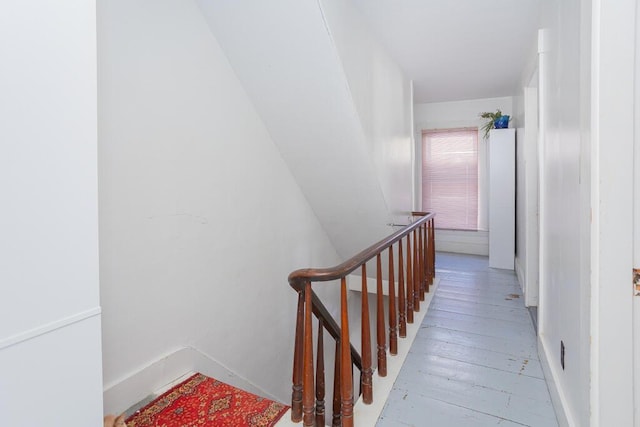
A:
415	271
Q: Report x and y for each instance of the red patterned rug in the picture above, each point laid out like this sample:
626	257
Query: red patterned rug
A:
205	402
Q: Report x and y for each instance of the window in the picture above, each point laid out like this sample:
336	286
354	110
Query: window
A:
450	177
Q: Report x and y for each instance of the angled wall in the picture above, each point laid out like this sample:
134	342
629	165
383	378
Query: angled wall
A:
287	61
233	149
201	220
383	98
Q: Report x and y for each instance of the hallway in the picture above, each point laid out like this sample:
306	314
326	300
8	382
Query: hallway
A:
474	361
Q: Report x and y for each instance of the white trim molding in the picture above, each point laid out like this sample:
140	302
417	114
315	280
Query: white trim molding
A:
49	327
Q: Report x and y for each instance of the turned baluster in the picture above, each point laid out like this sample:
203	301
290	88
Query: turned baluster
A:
296	394
409	282
337	408
417	284
417	288
346	380
320	376
366	379
416	273
420	262
381	335
427	236
308	407
433	248
421	254
402	303
427	256
393	317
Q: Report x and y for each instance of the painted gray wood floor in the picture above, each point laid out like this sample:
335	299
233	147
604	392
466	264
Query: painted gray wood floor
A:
474	361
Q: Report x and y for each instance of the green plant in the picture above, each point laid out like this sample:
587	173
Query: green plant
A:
491	123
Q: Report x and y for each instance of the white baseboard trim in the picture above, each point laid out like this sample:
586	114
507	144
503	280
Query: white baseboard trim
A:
520	274
462	242
556	395
161	373
354	283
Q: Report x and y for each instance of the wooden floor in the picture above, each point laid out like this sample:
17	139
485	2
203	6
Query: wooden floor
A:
474	361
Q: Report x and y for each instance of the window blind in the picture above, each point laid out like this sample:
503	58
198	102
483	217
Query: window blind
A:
450	177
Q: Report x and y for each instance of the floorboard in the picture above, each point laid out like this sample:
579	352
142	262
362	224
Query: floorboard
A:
474	362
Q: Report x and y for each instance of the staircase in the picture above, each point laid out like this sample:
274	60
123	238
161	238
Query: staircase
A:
400	299
245	94
416	270
206	402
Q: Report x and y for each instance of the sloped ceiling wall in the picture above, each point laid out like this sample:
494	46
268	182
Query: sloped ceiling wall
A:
200	220
287	62
383	98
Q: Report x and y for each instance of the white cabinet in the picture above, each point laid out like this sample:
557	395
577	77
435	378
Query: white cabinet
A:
502	198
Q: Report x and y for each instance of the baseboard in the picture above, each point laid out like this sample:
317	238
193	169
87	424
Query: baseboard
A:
354	283
138	386
557	399
520	274
533	312
463	242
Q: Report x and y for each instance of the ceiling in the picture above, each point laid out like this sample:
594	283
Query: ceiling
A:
456	49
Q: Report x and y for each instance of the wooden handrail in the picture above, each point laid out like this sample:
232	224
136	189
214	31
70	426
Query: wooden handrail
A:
298	278
419	270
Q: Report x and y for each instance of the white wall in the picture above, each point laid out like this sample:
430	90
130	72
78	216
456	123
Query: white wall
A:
49	311
565	202
286	60
502	203
614	74
587	69
519	117
201	220
458	114
383	99
527	234
521	249
636	219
